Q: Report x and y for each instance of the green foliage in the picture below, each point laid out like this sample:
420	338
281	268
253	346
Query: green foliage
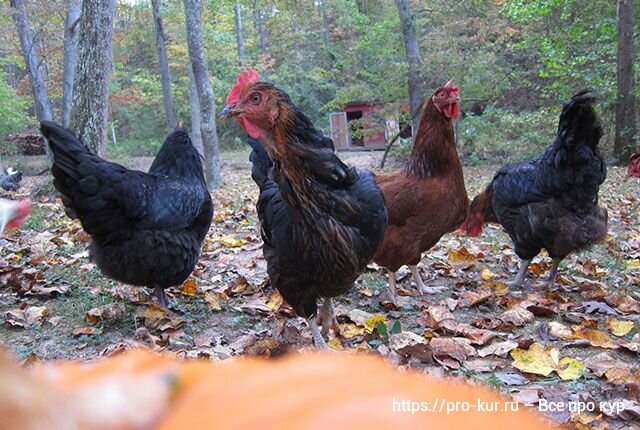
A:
13	110
507	136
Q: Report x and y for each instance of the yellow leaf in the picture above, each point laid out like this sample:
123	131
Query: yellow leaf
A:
487	274
570	369
633	264
231	241
499	288
461	256
190	288
536	360
618	327
218	217
372	322
335	344
244	221
275	301
595	337
350	330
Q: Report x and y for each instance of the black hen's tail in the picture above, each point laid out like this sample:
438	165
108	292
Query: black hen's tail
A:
72	161
261	162
579	124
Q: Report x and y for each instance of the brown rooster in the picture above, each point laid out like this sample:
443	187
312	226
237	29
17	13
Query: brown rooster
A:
321	220
427	198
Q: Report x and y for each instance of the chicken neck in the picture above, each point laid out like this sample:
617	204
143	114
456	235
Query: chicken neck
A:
434	150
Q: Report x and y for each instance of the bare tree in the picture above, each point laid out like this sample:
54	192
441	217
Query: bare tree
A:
258	23
93	72
165	75
196	123
239	38
325	23
413	59
192	9
71	22
625	141
36	78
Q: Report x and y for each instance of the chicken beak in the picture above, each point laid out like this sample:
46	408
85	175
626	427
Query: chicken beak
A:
229	111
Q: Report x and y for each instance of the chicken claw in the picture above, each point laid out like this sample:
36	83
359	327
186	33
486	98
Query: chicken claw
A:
327	318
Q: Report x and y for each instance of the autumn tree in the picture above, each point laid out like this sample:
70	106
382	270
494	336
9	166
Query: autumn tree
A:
165	75
71	22
625	140
93	74
413	59
193	10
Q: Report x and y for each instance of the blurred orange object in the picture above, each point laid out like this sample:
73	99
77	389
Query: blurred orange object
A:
142	389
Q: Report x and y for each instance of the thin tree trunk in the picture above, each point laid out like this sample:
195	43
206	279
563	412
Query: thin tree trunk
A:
41	99
325	23
93	72
165	75
625	141
413	59
196	123
206	99
258	21
71	22
239	39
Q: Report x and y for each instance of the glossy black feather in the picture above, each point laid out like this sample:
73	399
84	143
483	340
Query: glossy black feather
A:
146	228
552	202
316	242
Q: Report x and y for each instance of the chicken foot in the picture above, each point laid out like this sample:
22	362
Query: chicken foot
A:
327	318
421	286
318	340
551	280
522	274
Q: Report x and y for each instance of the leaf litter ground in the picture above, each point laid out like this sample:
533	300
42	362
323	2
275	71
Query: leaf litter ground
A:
576	344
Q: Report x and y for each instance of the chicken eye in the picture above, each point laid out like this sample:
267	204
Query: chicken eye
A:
255	99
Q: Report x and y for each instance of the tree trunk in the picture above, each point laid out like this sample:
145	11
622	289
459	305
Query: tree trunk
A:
192	10
239	39
325	23
93	72
41	99
625	141
165	75
71	22
196	123
413	59
258	22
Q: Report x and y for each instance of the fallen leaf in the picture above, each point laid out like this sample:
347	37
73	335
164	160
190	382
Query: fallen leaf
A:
26	317
107	314
511	378
158	318
461	256
618	327
190	287
275	301
536	359
373	322
335	344
570	369
487	274
457	348
87	331
230	241
349	331
500	349
517	316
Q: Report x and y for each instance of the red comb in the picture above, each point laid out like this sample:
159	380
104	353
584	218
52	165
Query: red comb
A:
449	86
246	78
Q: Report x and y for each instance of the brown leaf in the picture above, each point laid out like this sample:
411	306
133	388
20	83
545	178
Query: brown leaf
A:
87	331
190	287
458	349
158	318
623	302
500	349
107	314
461	256
517	316
26	317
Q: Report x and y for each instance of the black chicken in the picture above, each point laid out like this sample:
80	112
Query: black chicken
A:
322	220
146	228
10	179
551	202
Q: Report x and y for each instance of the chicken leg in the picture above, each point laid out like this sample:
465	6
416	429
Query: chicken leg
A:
327	318
522	273
551	280
161	296
392	288
420	284
318	340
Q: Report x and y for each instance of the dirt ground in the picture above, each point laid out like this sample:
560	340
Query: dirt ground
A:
55	304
